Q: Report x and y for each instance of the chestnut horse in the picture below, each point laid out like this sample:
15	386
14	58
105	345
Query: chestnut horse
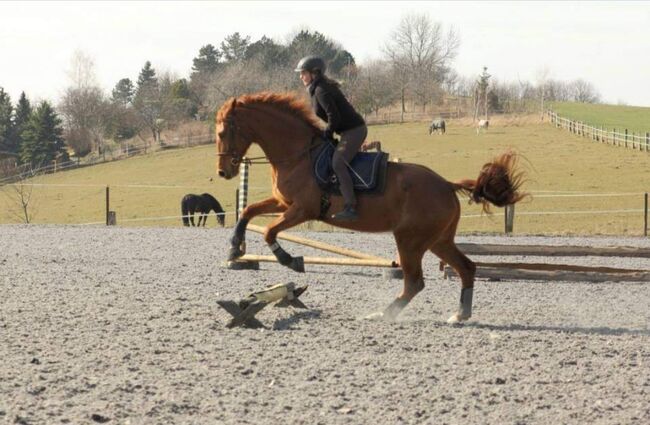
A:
418	206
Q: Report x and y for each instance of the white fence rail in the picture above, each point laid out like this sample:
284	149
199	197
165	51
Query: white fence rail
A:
617	137
115	153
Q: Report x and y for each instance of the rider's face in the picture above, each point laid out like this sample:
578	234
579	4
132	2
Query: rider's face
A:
305	77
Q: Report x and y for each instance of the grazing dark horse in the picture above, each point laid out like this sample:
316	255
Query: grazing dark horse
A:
418	206
201	204
437	124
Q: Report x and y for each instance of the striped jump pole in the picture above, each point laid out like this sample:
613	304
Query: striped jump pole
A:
243	188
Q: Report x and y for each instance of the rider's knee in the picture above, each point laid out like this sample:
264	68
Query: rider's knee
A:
338	162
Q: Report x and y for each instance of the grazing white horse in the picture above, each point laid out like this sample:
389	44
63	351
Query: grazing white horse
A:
482	124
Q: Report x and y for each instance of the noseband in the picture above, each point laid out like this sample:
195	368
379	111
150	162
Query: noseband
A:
231	128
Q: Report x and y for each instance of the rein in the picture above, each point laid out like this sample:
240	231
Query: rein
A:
237	159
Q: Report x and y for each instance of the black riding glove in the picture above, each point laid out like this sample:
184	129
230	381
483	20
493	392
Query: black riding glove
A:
328	134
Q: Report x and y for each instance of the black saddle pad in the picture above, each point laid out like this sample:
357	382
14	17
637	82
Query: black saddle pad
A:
368	170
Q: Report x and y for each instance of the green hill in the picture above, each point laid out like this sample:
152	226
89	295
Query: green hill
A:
635	118
147	190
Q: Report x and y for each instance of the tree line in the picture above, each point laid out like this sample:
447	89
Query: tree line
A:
415	71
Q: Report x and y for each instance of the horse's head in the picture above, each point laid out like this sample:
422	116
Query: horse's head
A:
232	144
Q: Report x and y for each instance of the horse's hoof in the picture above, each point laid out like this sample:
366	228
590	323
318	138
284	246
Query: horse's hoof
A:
457	319
234	253
297	264
377	315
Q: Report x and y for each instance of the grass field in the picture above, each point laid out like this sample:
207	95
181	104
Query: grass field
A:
557	163
635	118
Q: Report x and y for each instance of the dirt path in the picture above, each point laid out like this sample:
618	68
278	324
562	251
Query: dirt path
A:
115	325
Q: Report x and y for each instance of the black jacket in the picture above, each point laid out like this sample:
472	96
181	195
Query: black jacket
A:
329	104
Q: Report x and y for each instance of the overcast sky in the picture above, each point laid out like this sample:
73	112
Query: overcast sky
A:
605	43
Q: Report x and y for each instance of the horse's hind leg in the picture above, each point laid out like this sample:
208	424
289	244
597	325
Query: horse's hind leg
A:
466	269
411	252
292	217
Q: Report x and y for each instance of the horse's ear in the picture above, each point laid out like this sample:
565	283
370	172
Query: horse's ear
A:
233	104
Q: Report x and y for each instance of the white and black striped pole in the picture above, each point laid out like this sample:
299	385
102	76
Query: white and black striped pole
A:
243	188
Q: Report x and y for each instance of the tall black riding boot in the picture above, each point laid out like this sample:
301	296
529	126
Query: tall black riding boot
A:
349	213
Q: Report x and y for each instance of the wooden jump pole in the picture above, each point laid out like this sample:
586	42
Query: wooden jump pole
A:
107	204
318	245
498	273
553	251
323	260
558	267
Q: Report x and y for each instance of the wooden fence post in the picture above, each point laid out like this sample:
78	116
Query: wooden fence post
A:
626	137
111	217
509	218
645	215
647	142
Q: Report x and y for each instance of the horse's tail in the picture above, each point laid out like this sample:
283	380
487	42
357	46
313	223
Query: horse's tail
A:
498	183
185	211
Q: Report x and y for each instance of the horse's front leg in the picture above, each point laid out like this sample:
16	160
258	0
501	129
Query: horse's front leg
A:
238	239
292	217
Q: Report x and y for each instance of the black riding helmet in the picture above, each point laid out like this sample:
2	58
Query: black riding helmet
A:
311	64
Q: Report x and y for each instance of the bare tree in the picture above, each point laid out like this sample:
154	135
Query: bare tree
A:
371	90
19	195
82	70
84	107
84	110
583	91
238	78
542	80
419	51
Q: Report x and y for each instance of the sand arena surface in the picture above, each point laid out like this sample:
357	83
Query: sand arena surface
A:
121	325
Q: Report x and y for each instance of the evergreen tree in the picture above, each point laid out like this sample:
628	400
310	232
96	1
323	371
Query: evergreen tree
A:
123	92
268	53
6	125
21	116
207	61
147	99
308	43
147	76
43	137
234	47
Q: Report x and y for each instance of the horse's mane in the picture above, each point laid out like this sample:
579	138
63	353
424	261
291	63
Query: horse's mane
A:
286	102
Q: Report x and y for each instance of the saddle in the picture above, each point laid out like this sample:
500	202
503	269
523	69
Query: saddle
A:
368	170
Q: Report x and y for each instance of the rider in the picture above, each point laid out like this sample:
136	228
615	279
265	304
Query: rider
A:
329	104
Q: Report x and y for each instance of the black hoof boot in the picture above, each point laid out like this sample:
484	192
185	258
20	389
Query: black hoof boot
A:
234	253
297	264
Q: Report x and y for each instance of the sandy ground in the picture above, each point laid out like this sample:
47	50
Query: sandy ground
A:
118	326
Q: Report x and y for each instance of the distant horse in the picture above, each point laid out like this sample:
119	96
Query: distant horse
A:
437	124
418	206
482	124
201	204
